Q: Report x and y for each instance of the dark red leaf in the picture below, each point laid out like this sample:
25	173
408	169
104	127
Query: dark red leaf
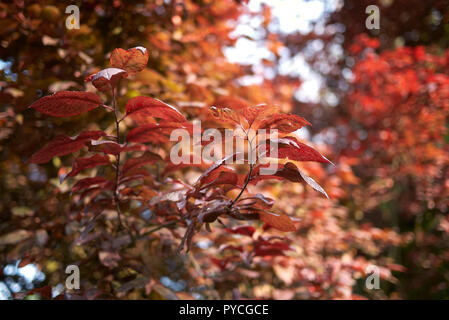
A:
259	201
210	173
213	210
62	145
221	263
133	163
244	230
263	247
224	177
291	148
290	172
89	182
85	163
44	292
67	103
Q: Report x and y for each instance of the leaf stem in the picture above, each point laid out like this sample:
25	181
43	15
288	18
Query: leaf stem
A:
117	167
248	178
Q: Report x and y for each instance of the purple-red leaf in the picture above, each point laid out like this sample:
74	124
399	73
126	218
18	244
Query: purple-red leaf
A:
153	108
67	103
291	148
133	163
290	172
270	248
85	163
62	145
89	182
244	230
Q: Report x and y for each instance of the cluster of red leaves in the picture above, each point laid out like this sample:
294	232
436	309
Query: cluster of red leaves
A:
207	200
400	101
321	259
397	134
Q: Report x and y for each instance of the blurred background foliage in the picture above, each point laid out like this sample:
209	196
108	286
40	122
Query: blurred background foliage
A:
380	113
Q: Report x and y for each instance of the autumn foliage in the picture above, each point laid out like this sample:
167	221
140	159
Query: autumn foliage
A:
87	179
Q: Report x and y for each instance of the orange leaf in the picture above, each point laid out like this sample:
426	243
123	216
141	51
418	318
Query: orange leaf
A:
132	60
277	221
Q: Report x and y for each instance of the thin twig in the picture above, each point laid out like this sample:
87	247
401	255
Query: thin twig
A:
248	178
117	169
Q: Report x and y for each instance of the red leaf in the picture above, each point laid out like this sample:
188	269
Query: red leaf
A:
224	177
132	60
107	79
227	115
133	163
153	108
229	109
44	292
259	201
213	210
89	182
278	221
62	145
284	123
210	175
244	230
221	263
85	163
231	103
112	147
290	172
24	262
254	115
266	248
134	174
291	148
153	132
67	103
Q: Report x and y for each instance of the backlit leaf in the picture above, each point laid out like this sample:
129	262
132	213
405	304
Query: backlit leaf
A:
132	60
278	221
291	148
153	108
